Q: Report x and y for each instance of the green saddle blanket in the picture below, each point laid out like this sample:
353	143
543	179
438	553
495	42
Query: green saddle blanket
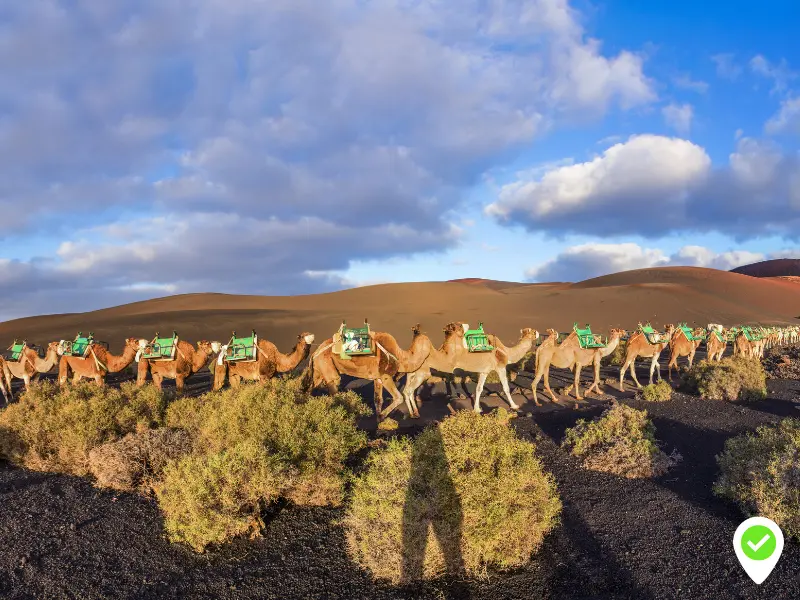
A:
353	341
689	333
79	346
586	338
15	350
161	348
477	340
241	349
651	335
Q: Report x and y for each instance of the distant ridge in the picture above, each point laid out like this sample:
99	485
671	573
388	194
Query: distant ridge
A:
779	267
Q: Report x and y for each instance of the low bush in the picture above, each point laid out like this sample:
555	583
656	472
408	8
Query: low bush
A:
54	429
617	357
467	495
657	392
732	378
761	472
274	441
138	460
621	441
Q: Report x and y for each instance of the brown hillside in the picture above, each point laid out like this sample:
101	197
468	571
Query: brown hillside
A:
779	267
661	295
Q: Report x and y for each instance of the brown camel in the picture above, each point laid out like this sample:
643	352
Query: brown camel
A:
680	345
566	355
187	361
270	361
29	365
607	350
716	342
389	360
98	362
639	345
744	347
454	357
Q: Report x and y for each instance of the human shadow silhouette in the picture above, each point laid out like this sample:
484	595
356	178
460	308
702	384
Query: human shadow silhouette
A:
431	502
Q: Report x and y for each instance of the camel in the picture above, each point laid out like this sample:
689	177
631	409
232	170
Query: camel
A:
566	355
454	356
269	362
187	361
98	362
680	345
639	345
28	366
716	342
744	347
607	350
388	360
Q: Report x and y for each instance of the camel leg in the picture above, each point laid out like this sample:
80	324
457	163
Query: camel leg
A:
478	390
235	379
413	382
63	372
547	385
179	381
578	383
501	373
377	393
596	385
397	397
632	367
141	372
673	360
535	383
157	380
622	370
653	365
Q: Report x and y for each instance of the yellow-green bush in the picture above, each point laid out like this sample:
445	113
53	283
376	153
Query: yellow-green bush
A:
761	472
465	496
617	357
657	392
621	441
275	440
53	429
732	378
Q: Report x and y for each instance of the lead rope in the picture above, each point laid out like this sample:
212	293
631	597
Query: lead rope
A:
100	366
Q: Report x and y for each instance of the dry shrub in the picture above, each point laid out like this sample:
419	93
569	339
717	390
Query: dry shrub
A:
621	441
733	378
211	498
54	429
465	496
657	392
617	357
276	441
136	461
761	472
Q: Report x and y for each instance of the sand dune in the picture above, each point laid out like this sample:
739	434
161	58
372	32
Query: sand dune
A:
662	295
777	267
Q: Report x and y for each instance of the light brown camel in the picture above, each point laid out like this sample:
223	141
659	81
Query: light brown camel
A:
716	342
607	350
29	365
187	361
270	361
98	362
639	346
566	355
454	357
680	345
744	347
389	360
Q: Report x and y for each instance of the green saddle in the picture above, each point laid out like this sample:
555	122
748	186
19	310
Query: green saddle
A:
161	348
15	350
353	341
718	335
651	335
79	346
586	338
477	340
242	349
687	331
752	336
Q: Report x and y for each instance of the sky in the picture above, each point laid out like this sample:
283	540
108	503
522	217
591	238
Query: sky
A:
279	147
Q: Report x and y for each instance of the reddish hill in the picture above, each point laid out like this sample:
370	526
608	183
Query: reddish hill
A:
779	267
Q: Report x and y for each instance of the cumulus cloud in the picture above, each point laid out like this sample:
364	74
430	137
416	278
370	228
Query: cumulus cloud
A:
365	118
787	119
586	261
727	68
780	74
653	185
678	116
685	82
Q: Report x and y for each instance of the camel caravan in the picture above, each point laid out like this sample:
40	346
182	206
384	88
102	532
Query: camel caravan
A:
362	353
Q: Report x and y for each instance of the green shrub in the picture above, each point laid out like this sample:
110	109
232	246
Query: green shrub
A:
54	429
137	461
617	357
211	498
761	472
733	378
621	441
275	441
657	392
467	495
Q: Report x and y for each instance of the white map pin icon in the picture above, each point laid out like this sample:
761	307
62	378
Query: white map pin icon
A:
758	543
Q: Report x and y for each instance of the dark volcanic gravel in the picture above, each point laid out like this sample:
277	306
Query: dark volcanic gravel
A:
645	539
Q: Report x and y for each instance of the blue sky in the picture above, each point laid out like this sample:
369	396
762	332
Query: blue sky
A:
173	146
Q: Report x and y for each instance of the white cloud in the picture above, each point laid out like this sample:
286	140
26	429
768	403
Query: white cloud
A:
787	119
727	68
678	116
653	185
586	261
780	74
685	82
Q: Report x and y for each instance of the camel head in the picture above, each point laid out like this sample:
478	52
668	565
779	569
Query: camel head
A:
528	333
552	333
136	343
306	337
206	346
416	330
53	347
457	329
617	333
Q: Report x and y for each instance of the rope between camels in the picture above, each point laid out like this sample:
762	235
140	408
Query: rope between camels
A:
321	350
389	354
